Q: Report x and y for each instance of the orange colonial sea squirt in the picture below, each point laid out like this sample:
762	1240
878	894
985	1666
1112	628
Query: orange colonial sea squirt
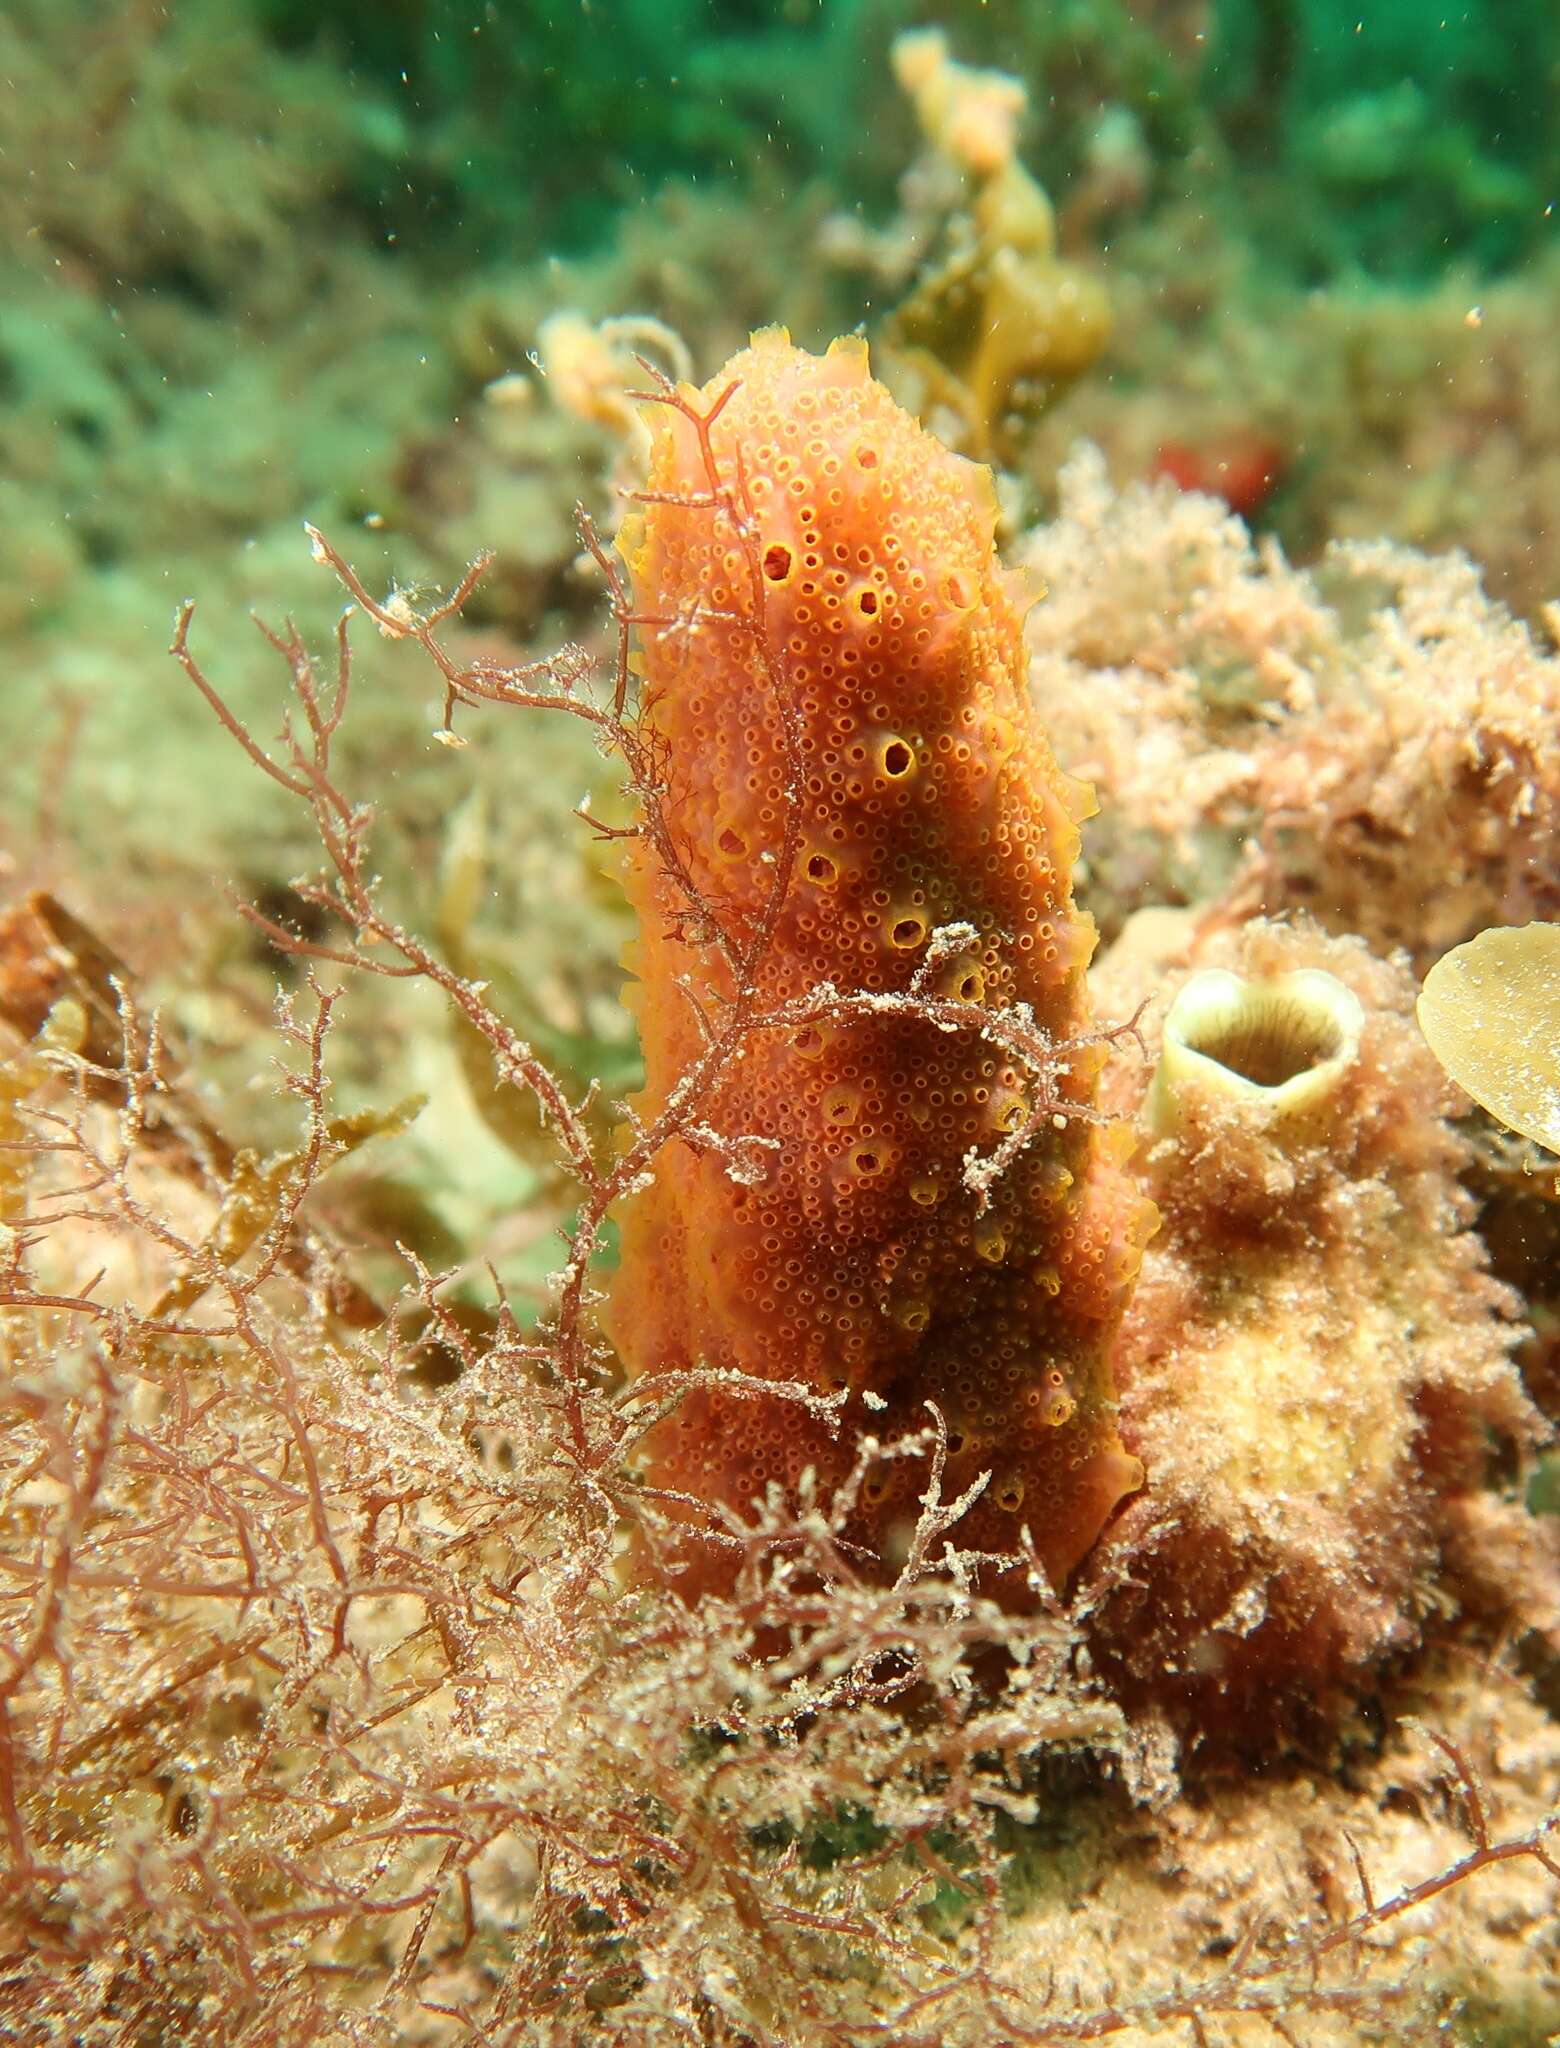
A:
856	923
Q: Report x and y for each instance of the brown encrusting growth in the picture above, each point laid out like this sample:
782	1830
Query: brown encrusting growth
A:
901	1193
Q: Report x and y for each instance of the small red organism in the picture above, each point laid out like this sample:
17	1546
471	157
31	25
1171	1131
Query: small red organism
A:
833	673
1243	468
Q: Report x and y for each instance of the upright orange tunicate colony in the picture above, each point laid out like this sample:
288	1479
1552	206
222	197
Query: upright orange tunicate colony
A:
844	1250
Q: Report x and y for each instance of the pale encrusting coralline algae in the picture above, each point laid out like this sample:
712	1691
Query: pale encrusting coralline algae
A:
778	1212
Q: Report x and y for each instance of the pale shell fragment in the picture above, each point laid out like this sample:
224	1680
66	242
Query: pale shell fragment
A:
1490	1011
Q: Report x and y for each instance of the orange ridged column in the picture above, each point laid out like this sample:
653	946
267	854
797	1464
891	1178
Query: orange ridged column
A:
827	638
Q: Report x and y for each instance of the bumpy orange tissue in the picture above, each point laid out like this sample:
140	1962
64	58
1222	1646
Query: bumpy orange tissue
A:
845	1249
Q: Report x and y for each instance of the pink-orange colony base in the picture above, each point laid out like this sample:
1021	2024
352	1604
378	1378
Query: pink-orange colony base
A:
821	559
